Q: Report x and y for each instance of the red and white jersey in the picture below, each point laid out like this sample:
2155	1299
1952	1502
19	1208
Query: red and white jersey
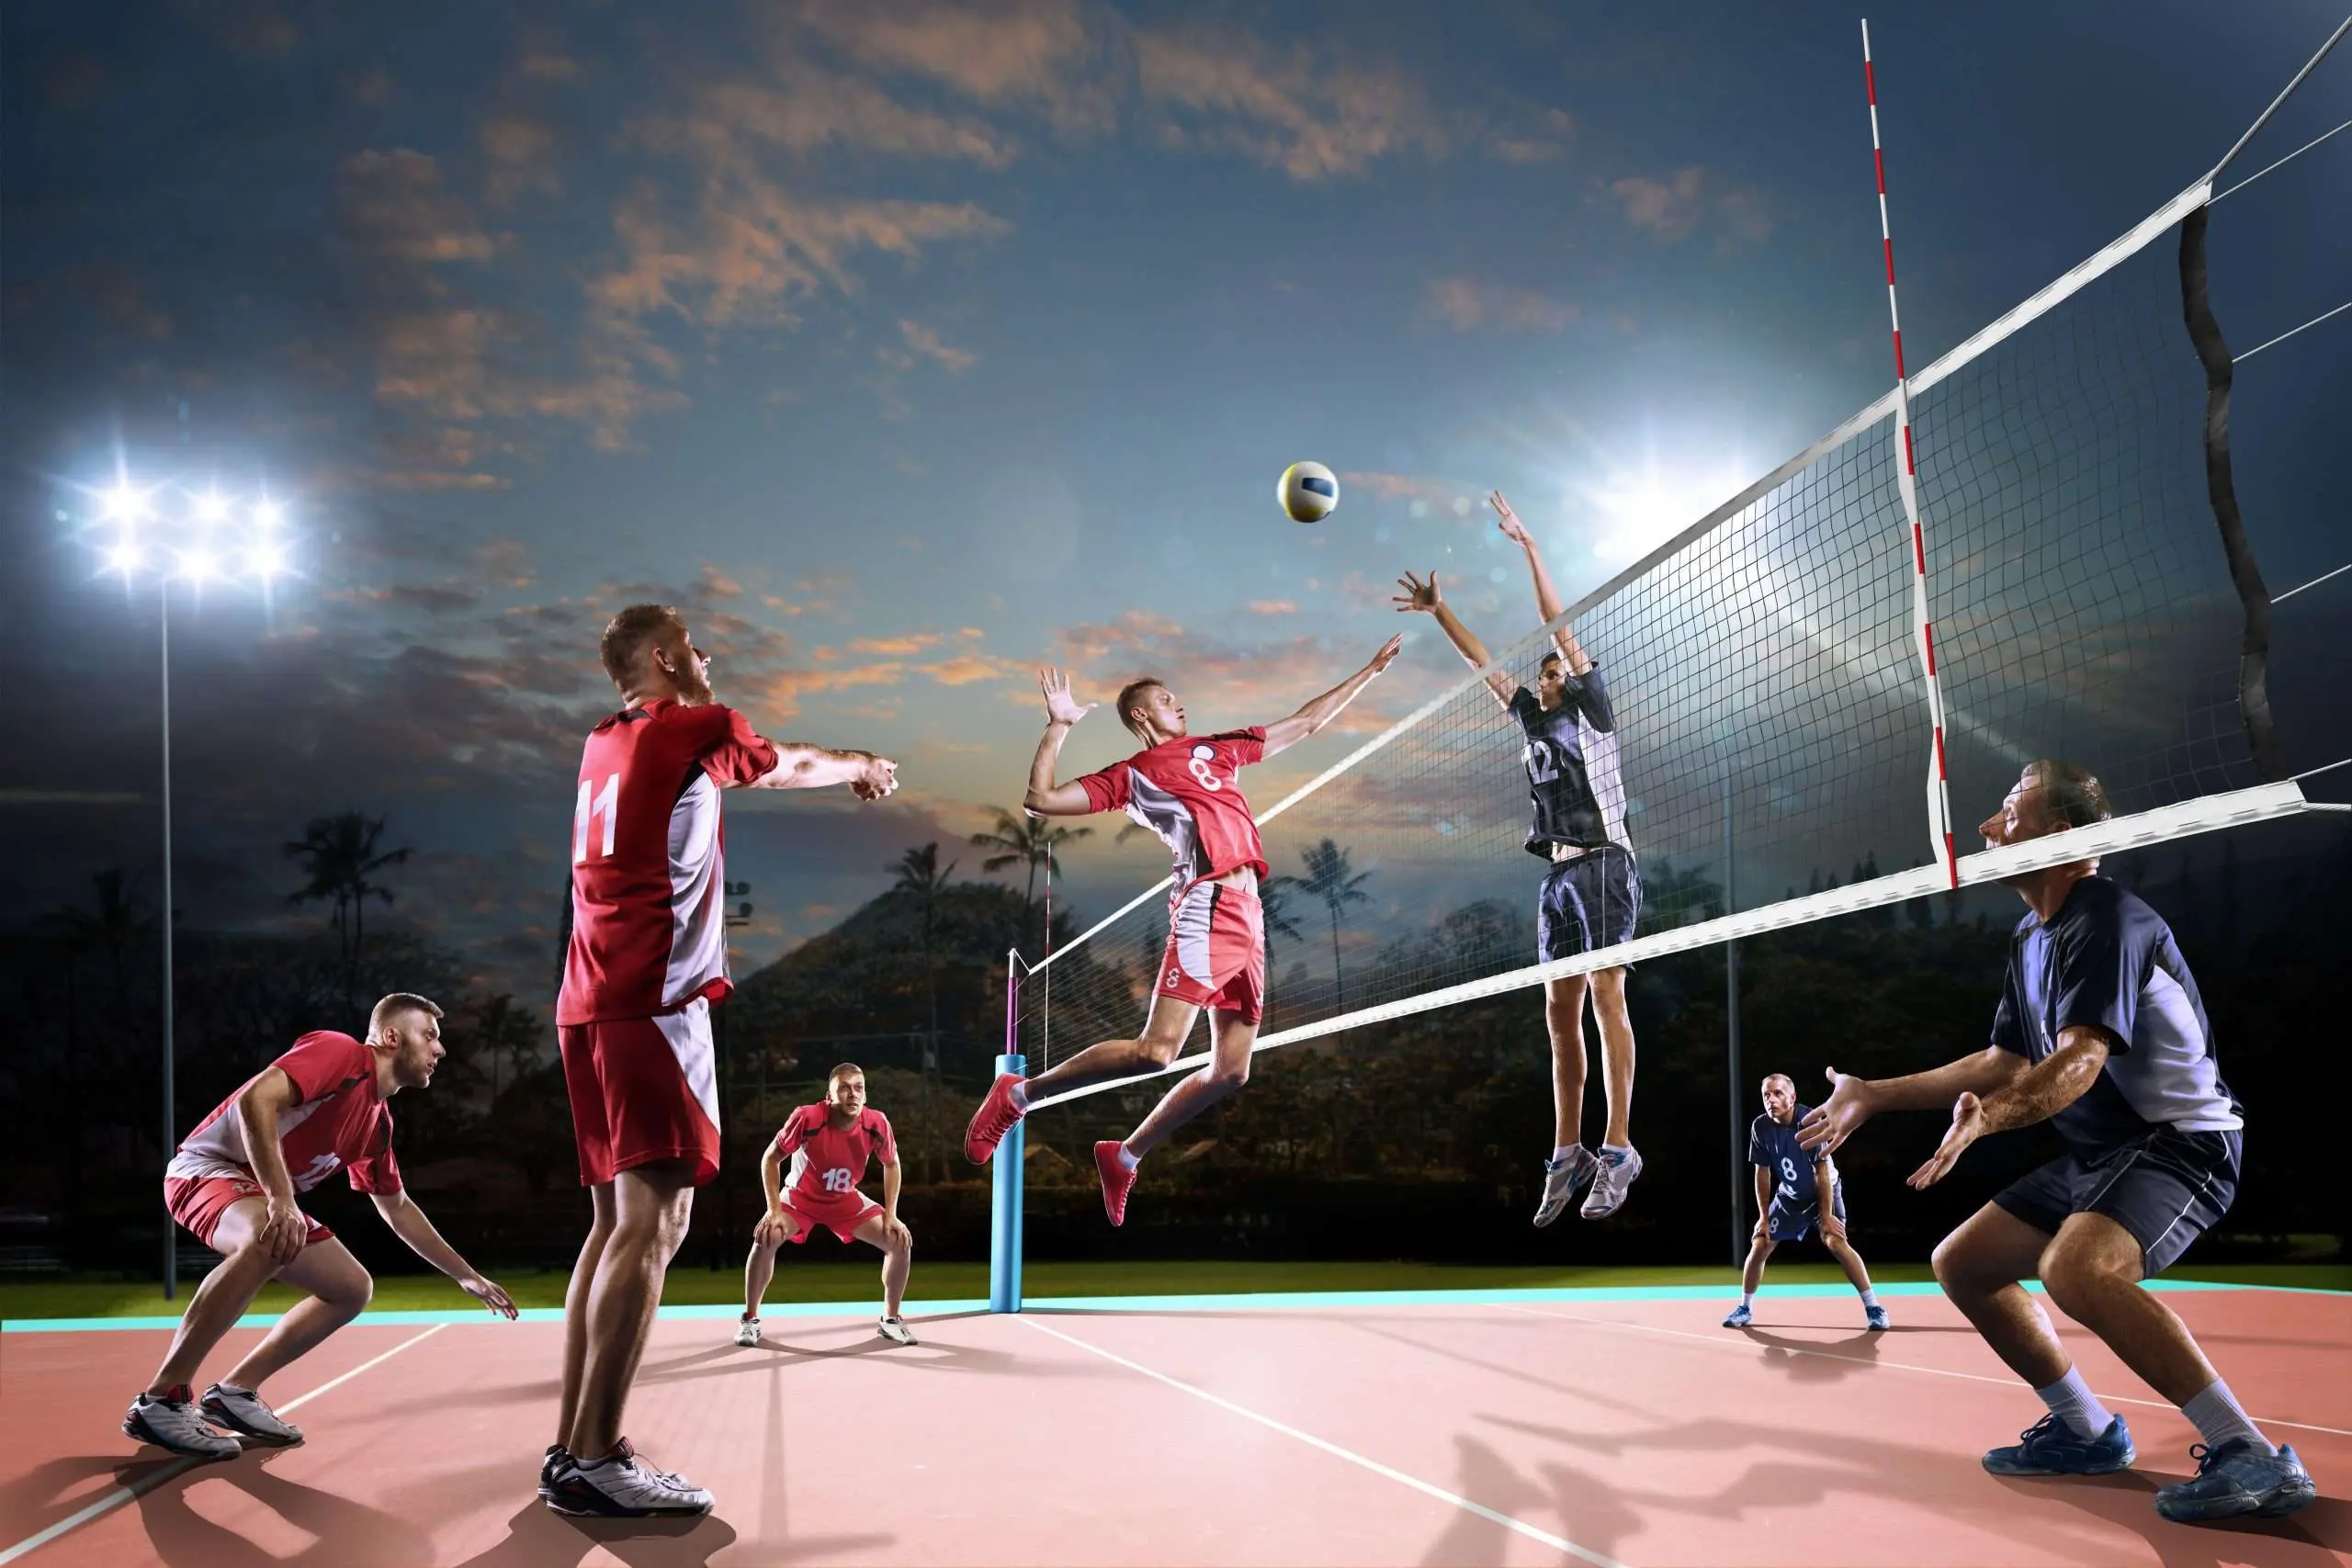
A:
648	880
830	1161
339	1122
1189	792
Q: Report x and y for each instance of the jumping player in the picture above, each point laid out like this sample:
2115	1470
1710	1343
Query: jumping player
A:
647	959
1796	1190
1591	897
1189	792
236	1185
829	1144
2101	1032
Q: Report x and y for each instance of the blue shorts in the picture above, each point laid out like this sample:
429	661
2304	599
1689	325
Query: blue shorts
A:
2167	1188
1794	1221
1588	903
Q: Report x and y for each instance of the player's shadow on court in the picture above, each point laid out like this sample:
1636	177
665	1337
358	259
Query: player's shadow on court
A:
2323	1527
1815	1360
1589	1515
341	1531
538	1539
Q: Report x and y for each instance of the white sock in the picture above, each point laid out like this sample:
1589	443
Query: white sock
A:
1616	1153
1747	1300
1870	1298
1564	1151
1020	1095
2220	1420
1128	1158
2071	1400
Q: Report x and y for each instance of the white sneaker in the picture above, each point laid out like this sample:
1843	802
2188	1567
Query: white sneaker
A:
1609	1184
171	1422
747	1332
1563	1179
895	1331
623	1486
243	1413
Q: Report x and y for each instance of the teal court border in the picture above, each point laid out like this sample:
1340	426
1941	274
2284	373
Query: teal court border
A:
1270	1301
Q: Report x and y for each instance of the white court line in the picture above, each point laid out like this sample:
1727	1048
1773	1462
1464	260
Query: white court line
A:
1728	1341
179	1467
1555	1542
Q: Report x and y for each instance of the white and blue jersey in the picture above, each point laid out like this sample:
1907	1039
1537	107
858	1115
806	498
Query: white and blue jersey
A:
1572	774
2108	961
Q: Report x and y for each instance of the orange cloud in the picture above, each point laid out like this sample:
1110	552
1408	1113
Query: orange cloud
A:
1273	607
1423	495
1310	118
1670	209
925	341
1026	54
913	642
1465	304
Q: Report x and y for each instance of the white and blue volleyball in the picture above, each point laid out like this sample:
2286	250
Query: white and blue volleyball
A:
1308	492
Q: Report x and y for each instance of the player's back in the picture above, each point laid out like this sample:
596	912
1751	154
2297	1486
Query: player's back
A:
647	876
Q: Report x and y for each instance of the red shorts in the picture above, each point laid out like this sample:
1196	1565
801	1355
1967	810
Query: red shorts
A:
1217	951
841	1214
643	1090
198	1202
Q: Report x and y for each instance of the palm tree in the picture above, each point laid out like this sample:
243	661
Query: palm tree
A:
1026	839
1330	878
920	877
338	854
1270	907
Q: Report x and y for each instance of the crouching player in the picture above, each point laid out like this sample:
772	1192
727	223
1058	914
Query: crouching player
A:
828	1144
236	1185
1796	1190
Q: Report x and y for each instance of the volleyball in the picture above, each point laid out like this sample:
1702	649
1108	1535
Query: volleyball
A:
1308	492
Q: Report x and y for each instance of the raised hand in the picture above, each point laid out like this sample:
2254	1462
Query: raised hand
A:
1386	656
1507	520
880	777
1418	595
1830	1124
1967	1125
1060	706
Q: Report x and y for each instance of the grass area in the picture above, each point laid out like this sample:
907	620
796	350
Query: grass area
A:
830	1281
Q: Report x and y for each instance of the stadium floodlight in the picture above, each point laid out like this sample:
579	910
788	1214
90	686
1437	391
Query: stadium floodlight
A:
194	549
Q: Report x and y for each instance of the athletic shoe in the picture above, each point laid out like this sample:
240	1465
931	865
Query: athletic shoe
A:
1613	1175
895	1331
622	1486
171	1422
993	1119
245	1415
1739	1316
557	1457
1118	1180
1874	1317
1563	1179
747	1332
2237	1478
2050	1447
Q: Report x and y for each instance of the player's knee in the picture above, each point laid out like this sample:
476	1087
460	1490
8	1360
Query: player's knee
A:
351	1294
1228	1077
2077	1280
1957	1269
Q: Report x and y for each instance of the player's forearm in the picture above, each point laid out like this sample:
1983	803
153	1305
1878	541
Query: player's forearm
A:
1935	1089
1763	1191
772	1178
1334	703
813	767
1465	641
1042	764
1824	1186
2047	1088
891	1174
1547	597
408	1223
258	1117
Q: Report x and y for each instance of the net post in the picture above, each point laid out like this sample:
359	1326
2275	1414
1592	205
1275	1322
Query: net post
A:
1005	1193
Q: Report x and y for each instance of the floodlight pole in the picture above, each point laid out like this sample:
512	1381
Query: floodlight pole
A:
1731	1040
171	1119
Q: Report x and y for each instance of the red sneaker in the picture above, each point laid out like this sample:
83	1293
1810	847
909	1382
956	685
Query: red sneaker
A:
1118	1181
993	1119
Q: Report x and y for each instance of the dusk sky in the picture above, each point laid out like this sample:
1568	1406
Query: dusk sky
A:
909	346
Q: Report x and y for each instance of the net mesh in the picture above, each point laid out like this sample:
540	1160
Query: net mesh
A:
1769	704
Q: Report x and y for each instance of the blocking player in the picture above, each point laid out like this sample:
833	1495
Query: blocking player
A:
1187	790
829	1145
646	961
236	1184
2101	1033
1796	1190
1591	898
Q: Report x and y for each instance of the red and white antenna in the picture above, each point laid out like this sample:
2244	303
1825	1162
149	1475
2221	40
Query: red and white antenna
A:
1906	479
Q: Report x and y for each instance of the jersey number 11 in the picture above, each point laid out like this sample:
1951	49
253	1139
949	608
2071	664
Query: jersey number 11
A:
605	803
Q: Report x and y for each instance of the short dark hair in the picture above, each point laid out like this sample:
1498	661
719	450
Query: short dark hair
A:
399	1002
1555	657
1131	699
842	1070
2071	794
630	633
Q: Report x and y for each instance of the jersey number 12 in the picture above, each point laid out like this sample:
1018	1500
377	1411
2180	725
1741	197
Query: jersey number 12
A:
605	803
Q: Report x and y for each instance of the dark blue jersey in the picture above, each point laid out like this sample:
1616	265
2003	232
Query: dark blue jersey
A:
1775	1149
2107	960
1571	757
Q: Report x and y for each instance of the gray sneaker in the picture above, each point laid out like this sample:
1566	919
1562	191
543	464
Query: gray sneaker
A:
1563	1179
242	1412
895	1331
171	1422
747	1332
1616	1173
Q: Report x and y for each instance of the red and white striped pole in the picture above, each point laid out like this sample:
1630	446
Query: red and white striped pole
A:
1940	834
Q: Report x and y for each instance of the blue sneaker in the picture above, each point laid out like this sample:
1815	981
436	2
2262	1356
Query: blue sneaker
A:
1874	1317
2050	1448
1738	1317
2237	1478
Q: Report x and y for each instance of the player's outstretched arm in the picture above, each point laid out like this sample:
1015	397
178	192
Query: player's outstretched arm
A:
1854	1100
1425	598
799	766
409	1224
1287	732
1046	798
1547	598
2036	1094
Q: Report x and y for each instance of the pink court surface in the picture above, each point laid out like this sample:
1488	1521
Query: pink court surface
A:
1455	1427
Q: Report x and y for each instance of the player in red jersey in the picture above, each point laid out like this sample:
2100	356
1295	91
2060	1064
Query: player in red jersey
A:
236	1183
828	1145
1188	791
646	960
